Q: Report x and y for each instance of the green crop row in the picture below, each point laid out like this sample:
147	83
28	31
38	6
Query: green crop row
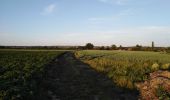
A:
125	68
21	72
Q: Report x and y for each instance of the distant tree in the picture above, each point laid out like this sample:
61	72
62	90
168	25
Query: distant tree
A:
113	47
80	47
89	46
2	47
107	48
120	47
102	48
168	48
138	46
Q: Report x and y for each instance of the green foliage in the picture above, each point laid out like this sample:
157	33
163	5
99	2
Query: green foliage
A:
89	46
162	93
21	72
113	47
102	48
124	67
165	66
155	67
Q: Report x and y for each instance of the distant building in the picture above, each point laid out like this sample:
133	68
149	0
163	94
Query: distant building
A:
153	44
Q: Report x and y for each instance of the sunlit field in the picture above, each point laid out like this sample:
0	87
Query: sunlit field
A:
125	68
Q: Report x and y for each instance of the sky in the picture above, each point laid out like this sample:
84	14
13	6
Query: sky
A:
77	22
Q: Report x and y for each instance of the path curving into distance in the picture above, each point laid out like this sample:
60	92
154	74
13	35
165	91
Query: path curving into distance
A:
68	78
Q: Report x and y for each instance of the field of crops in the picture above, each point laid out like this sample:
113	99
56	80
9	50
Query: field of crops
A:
22	71
125	67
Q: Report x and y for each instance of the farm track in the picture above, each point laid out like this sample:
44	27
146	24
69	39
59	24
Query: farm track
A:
68	78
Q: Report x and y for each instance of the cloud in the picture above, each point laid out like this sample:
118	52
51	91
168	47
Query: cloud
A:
127	36
142	30
101	19
121	2
103	1
113	17
49	9
118	2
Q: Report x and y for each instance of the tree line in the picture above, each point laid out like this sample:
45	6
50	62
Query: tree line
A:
90	46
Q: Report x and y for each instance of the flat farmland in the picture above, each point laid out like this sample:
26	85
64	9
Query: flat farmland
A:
21	72
125	68
83	74
146	72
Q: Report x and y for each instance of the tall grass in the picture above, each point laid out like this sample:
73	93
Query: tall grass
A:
125	67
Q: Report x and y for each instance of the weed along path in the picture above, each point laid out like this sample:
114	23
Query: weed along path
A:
70	79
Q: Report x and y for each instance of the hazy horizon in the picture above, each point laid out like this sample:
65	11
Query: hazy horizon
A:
77	22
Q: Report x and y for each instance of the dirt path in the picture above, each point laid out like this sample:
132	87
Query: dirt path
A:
70	79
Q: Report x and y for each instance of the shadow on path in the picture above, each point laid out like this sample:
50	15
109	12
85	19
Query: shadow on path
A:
68	78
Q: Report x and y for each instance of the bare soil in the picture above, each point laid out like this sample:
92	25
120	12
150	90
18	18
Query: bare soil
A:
148	89
67	78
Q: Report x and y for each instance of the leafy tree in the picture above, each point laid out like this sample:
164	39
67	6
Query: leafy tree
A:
89	46
138	46
102	48
168	48
120	47
113	47
107	48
